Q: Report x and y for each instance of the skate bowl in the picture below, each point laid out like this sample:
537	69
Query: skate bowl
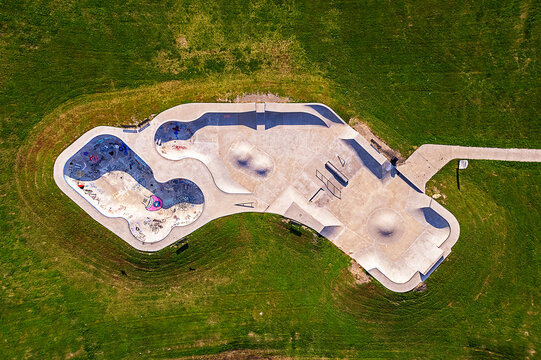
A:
113	179
249	159
173	139
385	225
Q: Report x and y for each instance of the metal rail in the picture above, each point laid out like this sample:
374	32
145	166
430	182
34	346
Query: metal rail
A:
333	189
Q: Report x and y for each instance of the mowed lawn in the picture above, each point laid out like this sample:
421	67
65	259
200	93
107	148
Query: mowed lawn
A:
252	286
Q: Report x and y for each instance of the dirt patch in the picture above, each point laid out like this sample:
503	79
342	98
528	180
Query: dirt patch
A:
376	142
361	277
181	42
420	287
257	97
168	64
78	353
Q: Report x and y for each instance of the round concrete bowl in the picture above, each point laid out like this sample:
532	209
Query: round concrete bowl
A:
385	225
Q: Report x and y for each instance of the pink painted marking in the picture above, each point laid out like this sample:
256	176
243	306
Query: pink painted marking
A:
154	204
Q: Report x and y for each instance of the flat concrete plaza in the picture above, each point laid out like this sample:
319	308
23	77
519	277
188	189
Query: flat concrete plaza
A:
197	162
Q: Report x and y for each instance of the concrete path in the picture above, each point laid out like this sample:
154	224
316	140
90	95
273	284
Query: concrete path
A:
428	159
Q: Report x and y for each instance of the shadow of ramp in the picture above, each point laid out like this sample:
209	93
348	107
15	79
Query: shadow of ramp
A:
372	164
331	232
431	270
248	119
434	219
184	130
273	119
326	113
407	181
337	174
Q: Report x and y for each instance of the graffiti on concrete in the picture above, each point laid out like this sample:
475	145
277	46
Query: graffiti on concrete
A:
118	183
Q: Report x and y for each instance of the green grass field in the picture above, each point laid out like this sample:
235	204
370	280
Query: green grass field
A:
459	73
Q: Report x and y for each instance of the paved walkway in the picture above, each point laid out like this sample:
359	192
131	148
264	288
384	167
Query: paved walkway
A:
428	159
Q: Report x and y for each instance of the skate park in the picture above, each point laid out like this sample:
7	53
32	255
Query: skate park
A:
197	162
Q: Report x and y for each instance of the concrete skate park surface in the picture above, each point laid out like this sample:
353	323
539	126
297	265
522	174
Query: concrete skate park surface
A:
197	162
